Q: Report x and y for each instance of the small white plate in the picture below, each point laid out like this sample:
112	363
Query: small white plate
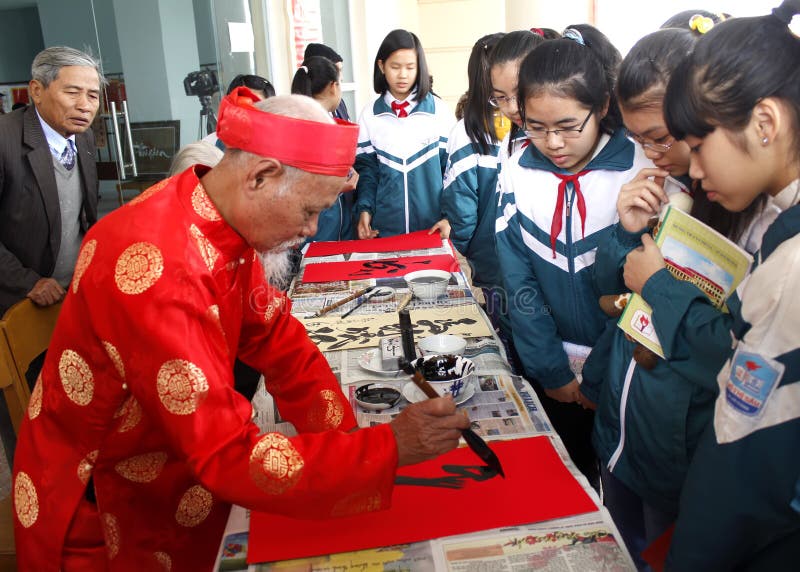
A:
413	394
370	360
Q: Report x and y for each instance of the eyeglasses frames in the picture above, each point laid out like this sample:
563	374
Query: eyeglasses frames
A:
565	133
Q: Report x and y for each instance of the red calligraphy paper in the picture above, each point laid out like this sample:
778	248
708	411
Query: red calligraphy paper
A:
382	268
537	487
411	241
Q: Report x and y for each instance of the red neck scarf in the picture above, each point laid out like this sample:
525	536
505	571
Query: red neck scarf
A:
400	108
558	213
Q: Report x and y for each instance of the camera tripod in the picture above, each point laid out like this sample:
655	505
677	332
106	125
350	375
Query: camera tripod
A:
208	119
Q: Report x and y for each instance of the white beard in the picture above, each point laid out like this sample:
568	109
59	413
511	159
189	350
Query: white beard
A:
277	263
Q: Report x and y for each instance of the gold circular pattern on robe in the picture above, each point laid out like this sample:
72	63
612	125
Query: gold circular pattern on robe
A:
35	404
76	377
181	386
26	501
164	559
202	205
357	503
272	308
149	192
142	468
207	251
116	359
132	412
84	258
194	506
275	465
327	411
86	466
110	533
138	268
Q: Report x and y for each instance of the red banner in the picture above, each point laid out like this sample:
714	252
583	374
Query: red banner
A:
383	268
411	241
537	487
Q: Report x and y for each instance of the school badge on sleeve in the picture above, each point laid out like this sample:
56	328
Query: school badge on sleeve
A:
752	380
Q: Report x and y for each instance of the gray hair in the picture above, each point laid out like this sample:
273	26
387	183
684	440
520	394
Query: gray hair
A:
297	106
194	153
48	63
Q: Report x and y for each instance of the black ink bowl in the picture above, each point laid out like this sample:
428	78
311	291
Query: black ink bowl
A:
377	396
446	373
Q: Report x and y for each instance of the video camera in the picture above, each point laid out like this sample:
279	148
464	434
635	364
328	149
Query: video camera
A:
201	83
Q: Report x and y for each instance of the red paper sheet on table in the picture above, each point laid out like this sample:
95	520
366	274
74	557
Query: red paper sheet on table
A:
411	241
382	268
537	487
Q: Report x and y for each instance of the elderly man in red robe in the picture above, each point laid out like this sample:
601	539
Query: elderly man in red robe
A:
135	442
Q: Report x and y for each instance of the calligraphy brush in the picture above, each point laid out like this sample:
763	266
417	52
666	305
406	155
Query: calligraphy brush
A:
343	301
364	300
473	440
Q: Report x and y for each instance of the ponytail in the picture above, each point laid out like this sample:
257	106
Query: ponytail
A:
314	76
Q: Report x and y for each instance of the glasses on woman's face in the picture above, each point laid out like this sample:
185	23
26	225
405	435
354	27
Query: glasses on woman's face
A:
652	145
564	132
502	100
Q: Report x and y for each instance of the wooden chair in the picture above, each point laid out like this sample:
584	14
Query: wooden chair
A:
8	560
25	332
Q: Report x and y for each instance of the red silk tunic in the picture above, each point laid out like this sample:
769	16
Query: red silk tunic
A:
137	392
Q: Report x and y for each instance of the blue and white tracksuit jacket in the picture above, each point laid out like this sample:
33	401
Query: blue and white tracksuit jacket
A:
336	223
550	294
648	422
469	201
400	164
741	499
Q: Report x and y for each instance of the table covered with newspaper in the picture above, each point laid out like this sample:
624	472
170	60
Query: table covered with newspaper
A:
501	406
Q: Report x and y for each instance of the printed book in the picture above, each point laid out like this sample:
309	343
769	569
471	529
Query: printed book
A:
694	252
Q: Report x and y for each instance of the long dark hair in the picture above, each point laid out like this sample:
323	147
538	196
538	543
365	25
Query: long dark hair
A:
316	73
645	71
402	40
584	69
478	116
512	47
733	67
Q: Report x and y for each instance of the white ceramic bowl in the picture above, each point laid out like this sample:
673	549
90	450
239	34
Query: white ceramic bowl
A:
443	344
428	284
448	374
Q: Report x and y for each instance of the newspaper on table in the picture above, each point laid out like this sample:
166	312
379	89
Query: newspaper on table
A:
583	543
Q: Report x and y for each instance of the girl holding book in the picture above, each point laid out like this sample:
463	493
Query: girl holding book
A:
651	412
402	143
557	204
736	103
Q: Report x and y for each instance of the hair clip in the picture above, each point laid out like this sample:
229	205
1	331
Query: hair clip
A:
304	68
701	24
538	32
574	35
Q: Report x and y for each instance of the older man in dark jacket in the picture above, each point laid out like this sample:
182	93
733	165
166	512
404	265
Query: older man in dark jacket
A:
48	178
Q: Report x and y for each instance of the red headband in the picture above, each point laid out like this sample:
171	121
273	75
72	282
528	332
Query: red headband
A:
322	148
